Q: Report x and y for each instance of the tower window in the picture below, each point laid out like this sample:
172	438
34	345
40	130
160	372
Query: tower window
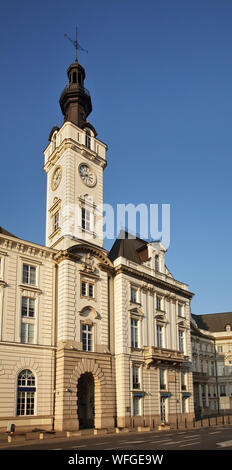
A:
87	139
56	221
85	219
74	77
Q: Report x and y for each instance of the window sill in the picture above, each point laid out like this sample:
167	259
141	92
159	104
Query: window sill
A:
30	288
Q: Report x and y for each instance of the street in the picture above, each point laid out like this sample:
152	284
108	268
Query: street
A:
212	438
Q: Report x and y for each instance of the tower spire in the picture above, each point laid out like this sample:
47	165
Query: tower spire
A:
76	44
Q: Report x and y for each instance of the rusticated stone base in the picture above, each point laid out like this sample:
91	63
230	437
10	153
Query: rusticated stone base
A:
70	367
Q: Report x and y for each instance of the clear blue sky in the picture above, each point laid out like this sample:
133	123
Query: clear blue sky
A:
160	77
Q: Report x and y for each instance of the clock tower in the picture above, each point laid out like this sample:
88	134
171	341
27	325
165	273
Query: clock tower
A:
74	164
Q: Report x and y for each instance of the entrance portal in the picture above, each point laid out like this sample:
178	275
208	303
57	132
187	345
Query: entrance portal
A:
85	403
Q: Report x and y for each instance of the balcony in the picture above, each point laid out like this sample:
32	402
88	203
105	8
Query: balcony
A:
163	355
200	377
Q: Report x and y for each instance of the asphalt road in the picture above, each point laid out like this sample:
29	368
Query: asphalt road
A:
213	438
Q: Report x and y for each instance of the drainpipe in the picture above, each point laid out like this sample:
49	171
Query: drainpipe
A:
55	345
215	360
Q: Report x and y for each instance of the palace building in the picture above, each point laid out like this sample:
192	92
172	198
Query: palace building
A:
89	338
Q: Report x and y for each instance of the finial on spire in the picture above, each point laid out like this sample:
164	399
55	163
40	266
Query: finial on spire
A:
76	44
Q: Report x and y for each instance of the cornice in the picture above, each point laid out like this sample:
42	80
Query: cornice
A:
25	248
69	143
122	269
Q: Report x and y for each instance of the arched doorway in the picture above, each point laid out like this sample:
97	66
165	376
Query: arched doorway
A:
85	401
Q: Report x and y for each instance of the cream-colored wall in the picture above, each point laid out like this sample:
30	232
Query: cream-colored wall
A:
145	311
69	154
14	355
71	303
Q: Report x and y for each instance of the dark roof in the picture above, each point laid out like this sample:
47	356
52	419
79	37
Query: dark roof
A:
5	232
213	321
128	248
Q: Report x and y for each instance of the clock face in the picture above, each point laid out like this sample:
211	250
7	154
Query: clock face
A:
56	177
87	175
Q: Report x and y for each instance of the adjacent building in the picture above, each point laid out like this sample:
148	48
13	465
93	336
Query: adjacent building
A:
212	363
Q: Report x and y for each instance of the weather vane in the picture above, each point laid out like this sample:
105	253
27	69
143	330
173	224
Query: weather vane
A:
76	44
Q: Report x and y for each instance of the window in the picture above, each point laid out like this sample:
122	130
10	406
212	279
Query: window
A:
184	405
29	274
162	376
135	371
26	393
180	310
27	333
28	307
156	263
181	340
56	221
87	289
87	337
87	139
133	294
134	333
222	390
85	219
183	381
158	303
159	336
136	405
220	349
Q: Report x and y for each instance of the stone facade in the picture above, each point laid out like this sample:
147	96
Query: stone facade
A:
212	363
89	338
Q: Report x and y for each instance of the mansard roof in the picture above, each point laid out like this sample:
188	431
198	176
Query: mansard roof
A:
128	248
213	322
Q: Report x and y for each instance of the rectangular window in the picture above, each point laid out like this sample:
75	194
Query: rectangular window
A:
85	219
162	379
180	310
83	288
90	290
158	303
135	371
29	274
183	381
134	333
56	221
87	335
28	307
27	333
87	289
222	390
133	294
181	340
25	403
159	336
136	406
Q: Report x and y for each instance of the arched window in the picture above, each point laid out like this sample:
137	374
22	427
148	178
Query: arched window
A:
26	393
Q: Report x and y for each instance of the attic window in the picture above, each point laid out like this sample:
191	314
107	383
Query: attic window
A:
156	263
228	327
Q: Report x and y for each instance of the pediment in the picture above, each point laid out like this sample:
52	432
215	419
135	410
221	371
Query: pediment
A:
90	313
